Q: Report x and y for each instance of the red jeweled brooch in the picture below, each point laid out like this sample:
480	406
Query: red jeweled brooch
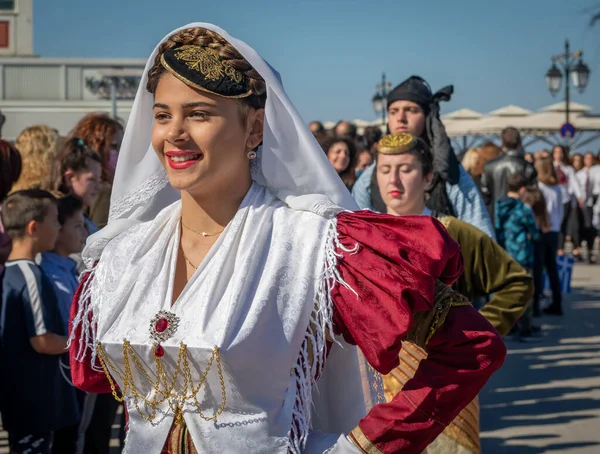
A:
162	326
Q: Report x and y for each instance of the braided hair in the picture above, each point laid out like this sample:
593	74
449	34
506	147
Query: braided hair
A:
207	38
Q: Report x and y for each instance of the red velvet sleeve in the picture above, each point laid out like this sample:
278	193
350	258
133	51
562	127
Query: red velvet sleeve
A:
394	273
82	374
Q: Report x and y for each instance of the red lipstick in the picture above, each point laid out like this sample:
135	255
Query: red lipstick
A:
395	193
182	159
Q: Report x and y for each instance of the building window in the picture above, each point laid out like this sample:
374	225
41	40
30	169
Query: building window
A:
7	5
4	29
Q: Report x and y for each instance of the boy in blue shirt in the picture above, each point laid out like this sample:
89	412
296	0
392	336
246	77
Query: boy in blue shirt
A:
57	264
517	231
36	400
62	272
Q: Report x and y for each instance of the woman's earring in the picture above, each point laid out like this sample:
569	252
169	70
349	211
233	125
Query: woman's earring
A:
251	154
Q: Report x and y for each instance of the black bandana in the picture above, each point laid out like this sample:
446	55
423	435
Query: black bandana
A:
202	68
417	90
414	89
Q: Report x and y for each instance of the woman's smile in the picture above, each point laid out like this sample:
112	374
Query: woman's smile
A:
182	159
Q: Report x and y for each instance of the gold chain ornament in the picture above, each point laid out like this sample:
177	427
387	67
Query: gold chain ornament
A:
162	327
163	387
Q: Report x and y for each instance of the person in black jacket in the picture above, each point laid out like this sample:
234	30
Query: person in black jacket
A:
494	180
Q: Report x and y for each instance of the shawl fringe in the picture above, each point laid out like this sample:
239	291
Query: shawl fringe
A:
85	322
311	359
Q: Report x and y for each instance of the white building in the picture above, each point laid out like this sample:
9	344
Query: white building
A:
56	91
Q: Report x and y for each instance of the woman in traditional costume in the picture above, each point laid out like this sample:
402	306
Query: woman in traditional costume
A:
403	173
229	291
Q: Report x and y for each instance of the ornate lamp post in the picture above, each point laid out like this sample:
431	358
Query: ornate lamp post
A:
379	100
572	65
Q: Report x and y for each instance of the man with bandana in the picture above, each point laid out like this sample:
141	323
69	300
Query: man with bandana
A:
413	108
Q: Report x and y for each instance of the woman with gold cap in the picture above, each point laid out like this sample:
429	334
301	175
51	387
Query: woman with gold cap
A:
226	295
404	170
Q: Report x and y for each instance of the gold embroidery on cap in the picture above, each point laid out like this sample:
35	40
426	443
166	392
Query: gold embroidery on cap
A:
396	143
207	62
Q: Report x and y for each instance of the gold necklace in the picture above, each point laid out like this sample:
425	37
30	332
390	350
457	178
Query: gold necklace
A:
204	234
188	260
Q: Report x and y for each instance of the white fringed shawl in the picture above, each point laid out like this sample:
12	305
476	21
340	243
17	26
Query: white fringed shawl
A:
269	310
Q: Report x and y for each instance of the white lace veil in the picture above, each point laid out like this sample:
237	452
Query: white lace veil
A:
290	161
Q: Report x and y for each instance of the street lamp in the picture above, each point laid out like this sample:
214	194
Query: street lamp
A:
579	72
379	100
554	79
378	103
580	75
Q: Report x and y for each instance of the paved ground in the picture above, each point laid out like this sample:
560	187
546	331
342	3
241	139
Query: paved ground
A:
546	397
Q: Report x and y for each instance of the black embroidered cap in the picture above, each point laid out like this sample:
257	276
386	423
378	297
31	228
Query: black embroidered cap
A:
202	68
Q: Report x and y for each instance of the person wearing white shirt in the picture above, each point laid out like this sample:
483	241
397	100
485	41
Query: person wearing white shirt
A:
589	183
548	184
571	195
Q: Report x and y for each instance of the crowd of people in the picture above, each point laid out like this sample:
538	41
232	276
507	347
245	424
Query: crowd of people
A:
511	214
578	177
560	189
55	193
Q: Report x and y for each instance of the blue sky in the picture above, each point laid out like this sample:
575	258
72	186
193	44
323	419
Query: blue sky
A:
331	53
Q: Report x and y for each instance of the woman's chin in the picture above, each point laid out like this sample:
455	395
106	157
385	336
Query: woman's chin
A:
184	187
397	206
195	185
185	179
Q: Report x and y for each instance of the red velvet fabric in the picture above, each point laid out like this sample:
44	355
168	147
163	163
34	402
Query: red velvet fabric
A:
82	374
393	273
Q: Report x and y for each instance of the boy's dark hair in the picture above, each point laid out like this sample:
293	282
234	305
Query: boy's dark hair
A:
67	207
511	138
75	157
22	207
516	181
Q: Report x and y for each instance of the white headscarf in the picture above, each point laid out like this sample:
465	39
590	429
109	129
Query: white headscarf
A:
294	168
290	163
